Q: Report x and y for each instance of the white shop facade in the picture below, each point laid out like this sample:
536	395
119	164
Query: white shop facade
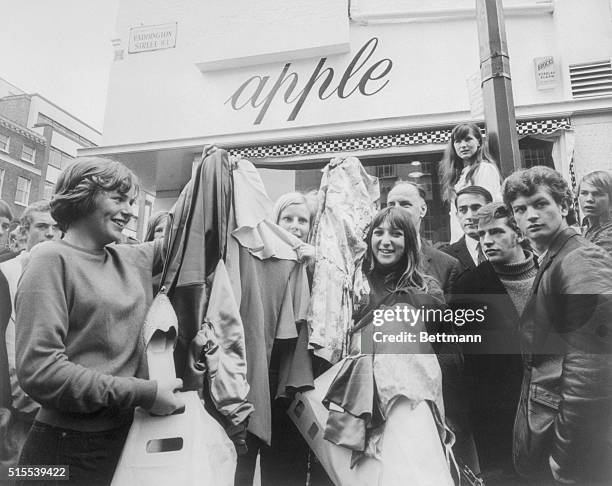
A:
290	88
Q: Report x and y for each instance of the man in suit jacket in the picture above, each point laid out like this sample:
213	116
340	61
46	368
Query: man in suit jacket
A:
498	286
442	267
469	200
563	425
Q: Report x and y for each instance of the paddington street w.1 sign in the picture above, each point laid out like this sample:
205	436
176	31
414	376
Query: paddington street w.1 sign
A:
152	38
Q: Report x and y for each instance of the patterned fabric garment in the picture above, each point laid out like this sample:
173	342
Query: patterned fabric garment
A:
346	200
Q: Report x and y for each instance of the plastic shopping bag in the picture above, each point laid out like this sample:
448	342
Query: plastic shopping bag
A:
189	448
412	453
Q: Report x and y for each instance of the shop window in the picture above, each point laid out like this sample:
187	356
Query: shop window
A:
385	171
536	152
22	194
4	142
424	173
28	153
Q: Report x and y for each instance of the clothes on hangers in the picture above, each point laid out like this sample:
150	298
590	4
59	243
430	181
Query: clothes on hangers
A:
347	203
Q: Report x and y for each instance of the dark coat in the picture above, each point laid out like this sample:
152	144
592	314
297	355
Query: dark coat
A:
459	251
600	235
565	408
444	268
5	314
493	368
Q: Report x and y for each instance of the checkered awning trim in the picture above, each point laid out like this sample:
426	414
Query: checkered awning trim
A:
401	139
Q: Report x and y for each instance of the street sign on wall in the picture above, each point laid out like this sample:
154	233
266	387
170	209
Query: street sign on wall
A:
152	38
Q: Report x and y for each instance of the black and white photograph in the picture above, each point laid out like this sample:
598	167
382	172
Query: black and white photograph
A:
306	242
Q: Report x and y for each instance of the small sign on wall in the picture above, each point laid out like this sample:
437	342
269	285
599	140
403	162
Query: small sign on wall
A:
152	38
545	72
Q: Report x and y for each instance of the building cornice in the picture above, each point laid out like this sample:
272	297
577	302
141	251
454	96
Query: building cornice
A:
412	15
23	131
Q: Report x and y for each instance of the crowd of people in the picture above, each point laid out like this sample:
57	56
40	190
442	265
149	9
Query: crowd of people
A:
532	404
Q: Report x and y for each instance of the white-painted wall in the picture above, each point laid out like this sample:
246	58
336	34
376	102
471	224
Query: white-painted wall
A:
432	58
65	144
174	96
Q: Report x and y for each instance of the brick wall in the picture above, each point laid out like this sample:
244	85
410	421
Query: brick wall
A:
12	172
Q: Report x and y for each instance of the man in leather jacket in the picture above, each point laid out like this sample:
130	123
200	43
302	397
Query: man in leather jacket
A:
563	423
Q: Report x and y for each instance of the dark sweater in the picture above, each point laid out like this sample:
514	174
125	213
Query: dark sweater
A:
79	318
518	278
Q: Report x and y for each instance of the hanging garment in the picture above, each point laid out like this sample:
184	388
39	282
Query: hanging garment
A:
223	210
196	242
274	299
346	207
219	341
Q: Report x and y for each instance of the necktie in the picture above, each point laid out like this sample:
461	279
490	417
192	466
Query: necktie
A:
481	255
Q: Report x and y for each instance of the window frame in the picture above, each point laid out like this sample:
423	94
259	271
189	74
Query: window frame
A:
33	159
26	193
8	143
48	185
64	159
386	171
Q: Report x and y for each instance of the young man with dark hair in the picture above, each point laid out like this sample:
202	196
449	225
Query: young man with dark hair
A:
499	285
563	424
467	250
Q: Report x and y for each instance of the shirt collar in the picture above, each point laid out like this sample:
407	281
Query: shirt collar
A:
541	258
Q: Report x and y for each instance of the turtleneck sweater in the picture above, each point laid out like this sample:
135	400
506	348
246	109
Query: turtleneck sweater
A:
517	278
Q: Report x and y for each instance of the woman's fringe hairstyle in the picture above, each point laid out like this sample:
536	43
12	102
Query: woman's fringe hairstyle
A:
451	164
78	186
408	276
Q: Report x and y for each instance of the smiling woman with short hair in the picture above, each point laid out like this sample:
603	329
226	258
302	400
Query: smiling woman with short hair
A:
81	304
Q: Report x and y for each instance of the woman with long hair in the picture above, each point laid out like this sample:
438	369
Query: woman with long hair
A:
393	258
467	162
392	266
81	305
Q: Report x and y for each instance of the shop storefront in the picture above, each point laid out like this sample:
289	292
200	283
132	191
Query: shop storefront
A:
384	81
